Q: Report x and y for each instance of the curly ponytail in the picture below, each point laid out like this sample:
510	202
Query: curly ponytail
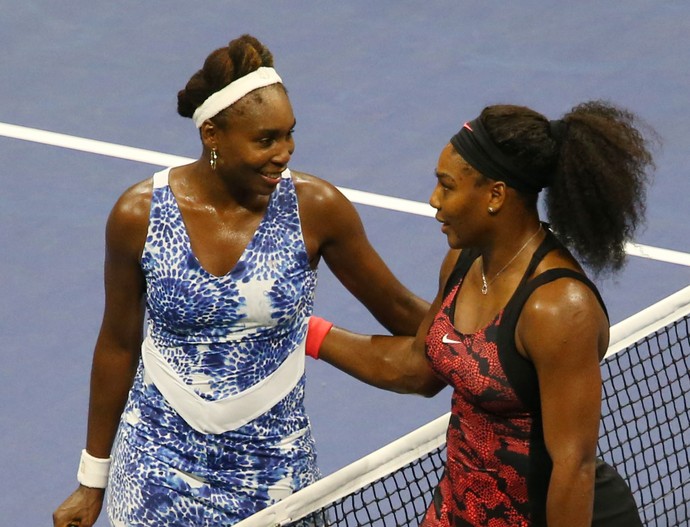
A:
597	199
596	163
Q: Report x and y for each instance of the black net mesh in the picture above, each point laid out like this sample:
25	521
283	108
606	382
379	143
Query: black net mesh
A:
645	430
399	498
645	434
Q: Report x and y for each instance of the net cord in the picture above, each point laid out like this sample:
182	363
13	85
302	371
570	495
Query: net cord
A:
432	435
648	321
354	476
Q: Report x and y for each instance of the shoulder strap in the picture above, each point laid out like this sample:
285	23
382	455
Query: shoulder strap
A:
467	256
548	244
550	275
519	370
160	179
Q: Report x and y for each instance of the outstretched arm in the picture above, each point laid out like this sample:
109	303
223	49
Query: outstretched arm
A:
397	364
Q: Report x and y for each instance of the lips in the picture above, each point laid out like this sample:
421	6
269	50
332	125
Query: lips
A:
444	226
271	179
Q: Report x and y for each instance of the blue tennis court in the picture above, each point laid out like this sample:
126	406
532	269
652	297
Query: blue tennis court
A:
89	108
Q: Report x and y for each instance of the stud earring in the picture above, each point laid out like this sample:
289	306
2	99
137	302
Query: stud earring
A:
492	210
214	159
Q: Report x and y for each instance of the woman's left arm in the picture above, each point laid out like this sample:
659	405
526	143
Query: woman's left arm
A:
563	330
333	230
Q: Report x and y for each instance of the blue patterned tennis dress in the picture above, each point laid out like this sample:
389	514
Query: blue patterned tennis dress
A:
230	436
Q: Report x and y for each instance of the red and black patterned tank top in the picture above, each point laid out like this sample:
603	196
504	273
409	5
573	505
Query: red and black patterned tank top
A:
497	468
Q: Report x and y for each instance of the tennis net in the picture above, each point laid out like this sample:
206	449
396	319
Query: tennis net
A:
645	434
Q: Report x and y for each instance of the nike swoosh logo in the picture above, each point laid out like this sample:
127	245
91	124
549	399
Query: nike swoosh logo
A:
447	340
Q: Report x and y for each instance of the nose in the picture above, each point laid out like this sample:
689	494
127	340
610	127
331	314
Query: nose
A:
283	153
433	199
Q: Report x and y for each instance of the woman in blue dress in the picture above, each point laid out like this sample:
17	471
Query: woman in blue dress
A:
196	413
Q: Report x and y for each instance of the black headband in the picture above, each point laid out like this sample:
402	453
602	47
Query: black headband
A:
475	146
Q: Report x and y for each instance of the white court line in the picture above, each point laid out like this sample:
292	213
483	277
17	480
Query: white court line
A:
356	196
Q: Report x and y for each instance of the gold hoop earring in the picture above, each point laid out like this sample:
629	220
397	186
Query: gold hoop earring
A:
214	160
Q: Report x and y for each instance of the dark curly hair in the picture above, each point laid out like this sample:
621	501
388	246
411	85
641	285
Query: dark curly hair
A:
224	65
598	163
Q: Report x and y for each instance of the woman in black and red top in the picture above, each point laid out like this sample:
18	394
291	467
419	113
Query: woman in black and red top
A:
517	329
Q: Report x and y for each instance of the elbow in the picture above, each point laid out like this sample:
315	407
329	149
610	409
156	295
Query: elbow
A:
430	388
414	375
422	381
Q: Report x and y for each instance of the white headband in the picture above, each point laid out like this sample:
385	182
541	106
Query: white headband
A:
233	92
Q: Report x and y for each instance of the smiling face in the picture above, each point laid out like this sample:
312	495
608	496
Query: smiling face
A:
257	142
461	199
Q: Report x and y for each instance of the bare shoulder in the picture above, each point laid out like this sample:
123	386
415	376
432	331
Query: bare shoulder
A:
129	217
325	211
560	297
562	311
563	296
317	192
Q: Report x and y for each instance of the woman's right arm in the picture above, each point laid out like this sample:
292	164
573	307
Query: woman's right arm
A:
116	353
398	364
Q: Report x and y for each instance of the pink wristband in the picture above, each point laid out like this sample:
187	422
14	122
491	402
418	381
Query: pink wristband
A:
316	333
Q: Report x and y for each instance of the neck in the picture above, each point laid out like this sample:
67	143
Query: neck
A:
489	275
206	186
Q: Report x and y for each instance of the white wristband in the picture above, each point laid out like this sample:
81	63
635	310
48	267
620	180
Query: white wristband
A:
93	471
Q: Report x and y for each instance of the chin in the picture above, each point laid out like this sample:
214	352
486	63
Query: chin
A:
453	241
